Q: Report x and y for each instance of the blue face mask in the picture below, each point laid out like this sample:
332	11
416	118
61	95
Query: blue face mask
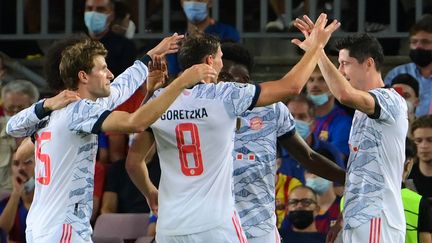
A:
319	99
95	22
195	12
303	128
318	184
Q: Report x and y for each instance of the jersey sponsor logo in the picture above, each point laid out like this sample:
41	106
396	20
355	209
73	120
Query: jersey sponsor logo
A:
256	123
184	114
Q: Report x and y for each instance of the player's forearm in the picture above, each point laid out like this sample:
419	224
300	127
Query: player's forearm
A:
337	83
292	83
24	123
326	168
151	111
139	175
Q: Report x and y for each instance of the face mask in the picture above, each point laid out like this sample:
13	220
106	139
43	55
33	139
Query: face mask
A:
301	219
195	12
303	128
319	99
95	22
130	32
29	185
421	57
318	184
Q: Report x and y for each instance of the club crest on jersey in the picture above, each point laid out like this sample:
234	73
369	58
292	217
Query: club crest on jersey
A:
256	123
240	85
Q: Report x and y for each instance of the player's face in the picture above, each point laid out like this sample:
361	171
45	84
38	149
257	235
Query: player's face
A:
99	79
316	84
423	139
351	69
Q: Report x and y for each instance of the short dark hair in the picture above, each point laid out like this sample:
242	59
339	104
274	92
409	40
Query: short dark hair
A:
421	122
237	53
79	57
423	24
407	79
362	46
195	47
52	61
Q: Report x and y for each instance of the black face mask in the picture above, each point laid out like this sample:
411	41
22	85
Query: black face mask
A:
301	219
421	57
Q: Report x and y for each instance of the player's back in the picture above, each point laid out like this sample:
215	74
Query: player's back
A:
64	174
194	141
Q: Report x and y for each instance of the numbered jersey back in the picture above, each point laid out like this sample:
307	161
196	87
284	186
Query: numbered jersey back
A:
194	142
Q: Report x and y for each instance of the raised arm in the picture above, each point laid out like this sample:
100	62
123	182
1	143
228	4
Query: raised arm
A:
339	86
292	83
342	89
142	118
311	160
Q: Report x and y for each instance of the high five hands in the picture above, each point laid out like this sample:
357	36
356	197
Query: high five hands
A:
317	34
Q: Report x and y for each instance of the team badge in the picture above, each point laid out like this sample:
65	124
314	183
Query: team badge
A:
256	123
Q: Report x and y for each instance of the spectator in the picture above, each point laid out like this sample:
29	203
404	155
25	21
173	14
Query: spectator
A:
198	21
16	96
327	199
303	112
299	225
420	68
421	173
408	87
418	212
122	24
14	209
284	185
332	123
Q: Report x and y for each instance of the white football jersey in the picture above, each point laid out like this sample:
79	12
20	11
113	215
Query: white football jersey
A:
65	151
255	166
195	140
375	164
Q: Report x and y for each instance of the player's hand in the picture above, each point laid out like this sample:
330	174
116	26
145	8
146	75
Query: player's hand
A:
157	74
198	73
166	46
317	34
152	199
61	100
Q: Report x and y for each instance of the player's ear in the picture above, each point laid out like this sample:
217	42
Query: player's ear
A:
82	76
209	60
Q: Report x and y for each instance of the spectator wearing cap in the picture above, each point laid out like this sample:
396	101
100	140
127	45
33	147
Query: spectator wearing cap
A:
408	87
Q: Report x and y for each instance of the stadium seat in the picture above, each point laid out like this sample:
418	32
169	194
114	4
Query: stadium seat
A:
125	226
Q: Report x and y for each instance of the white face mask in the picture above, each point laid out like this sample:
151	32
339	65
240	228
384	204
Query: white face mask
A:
130	32
29	185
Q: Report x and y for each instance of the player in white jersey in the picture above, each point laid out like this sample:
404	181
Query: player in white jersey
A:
66	141
373	210
195	140
255	154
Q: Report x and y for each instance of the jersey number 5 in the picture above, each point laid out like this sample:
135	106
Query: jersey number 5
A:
193	149
44	159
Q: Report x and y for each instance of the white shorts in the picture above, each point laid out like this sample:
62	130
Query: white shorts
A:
377	230
271	237
61	234
228	232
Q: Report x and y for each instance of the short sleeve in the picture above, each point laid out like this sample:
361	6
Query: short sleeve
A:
389	105
87	116
286	124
